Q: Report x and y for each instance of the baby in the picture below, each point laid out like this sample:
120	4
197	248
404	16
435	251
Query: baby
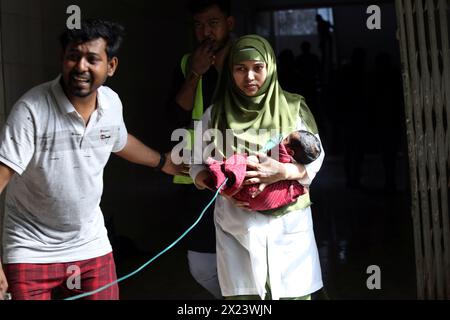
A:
298	147
302	146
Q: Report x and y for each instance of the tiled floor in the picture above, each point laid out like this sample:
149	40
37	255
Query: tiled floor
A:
358	228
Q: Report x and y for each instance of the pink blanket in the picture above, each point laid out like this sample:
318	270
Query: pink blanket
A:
274	196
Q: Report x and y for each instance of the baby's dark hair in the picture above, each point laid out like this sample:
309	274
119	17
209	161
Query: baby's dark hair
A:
92	29
198	6
306	147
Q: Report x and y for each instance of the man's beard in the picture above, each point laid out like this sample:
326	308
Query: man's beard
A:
79	93
75	89
221	45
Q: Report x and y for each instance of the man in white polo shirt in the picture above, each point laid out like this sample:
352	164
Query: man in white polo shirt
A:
53	149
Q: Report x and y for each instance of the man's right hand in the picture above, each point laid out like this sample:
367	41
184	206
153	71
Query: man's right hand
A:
201	180
3	283
203	57
175	170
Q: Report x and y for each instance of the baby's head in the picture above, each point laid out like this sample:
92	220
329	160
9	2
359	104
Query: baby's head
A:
303	146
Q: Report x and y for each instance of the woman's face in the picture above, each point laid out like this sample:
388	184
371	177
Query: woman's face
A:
249	76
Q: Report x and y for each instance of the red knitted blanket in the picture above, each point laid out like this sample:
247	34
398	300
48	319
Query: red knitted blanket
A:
274	196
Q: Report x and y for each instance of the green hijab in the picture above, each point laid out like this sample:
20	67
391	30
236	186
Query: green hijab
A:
255	120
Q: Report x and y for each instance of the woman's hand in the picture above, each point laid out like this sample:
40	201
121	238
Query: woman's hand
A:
240	204
263	170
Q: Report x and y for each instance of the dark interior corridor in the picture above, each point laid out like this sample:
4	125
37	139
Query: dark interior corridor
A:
361	197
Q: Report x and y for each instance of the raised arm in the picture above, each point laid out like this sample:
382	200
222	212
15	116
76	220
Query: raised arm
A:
200	62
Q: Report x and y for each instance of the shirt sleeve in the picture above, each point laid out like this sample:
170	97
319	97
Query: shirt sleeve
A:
17	138
312	168
122	136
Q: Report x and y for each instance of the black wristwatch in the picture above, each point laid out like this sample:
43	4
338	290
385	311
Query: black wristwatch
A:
162	162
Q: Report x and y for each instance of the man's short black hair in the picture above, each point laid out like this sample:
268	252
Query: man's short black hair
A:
198	6
92	29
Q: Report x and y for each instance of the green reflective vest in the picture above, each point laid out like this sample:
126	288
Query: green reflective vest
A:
197	114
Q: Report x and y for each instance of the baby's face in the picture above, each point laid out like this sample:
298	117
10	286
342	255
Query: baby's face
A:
250	76
289	143
293	136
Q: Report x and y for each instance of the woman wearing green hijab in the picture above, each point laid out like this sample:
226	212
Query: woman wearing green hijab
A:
263	256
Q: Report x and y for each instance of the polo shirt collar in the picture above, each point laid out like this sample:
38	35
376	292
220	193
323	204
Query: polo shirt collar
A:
67	107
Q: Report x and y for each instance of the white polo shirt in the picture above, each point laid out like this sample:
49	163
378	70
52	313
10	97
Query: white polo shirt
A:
52	212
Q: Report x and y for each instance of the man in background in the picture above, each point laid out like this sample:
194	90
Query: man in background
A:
194	83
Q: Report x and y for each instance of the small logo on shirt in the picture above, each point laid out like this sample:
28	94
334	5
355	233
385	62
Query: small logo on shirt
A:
105	134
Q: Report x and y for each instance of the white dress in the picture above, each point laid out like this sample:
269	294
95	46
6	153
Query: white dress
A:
250	243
